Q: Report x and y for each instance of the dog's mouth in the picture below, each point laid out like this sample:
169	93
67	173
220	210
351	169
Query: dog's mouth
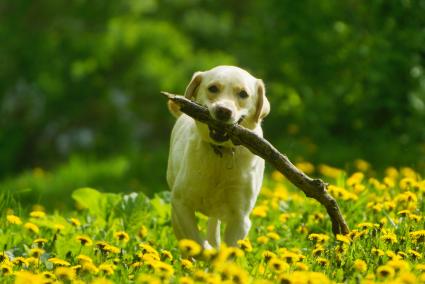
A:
218	136
221	136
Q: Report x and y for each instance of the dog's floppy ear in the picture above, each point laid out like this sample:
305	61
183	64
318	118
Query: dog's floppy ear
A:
192	88
263	105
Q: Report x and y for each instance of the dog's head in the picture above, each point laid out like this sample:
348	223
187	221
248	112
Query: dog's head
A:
231	94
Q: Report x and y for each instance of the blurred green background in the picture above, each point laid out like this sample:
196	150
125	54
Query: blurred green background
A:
80	83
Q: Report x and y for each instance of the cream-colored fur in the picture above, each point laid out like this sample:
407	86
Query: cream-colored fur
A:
217	179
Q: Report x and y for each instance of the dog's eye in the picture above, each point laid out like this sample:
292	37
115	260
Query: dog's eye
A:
213	89
243	94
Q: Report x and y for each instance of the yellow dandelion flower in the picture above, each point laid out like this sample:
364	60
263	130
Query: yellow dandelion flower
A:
245	245
164	269
260	211
20	261
268	255
362	165
389	237
305	167
391	172
146	248
322	261
186	264
58	227
65	273
143	232
329	171
290	257
36	252
319	238
277	265
399	265
48	276
420	267
111	249
101	280
84	240
210	254
417	236
415	254
385	271
32	227
40	241
301	266
406	278
355	178
263	240
122	236
25	277
343	239
165	254
6	269
107	268
233	273
75	222
147	279
273	235
89	267
189	247
37	214
58	261
186	280
318	250
13	219
407	183
84	258
360	265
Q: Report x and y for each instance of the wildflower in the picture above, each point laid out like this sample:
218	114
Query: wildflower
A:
185	280
210	254
355	178
58	261
330	171
420	267
107	268
48	276
101	280
75	222
165	254
230	253
399	265
233	273
24	277
36	252
245	245
273	236
404	213
32	227
84	258
290	257
385	271
122	236
343	239
84	240
4	257
260	211
189	247
322	261
389	237
111	249
305	167
319	238
12	219
362	165
414	254
263	240
186	264
38	214
318	250
164	269
407	183
146	248
89	267
65	273
277	265
268	255
407	278
377	252
417	236
301	266
58	227
40	241
360	265
143	232
6	268
147	279
20	261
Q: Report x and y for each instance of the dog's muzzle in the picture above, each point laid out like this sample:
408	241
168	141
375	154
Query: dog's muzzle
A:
221	136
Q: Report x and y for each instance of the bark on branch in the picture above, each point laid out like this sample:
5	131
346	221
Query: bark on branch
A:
313	188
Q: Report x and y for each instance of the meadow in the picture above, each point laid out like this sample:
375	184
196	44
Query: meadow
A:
127	238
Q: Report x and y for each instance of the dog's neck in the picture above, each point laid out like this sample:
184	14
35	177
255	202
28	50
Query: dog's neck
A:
222	150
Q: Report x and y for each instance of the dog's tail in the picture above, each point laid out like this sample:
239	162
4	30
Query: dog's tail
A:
174	109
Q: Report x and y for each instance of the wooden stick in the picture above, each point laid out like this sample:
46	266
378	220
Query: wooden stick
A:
313	188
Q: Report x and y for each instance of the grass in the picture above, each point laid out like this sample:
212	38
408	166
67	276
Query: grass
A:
127	238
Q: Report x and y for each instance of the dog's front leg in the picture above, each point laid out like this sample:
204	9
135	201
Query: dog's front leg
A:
237	228
184	222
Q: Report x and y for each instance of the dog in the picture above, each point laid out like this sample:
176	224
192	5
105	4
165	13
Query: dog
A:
206	173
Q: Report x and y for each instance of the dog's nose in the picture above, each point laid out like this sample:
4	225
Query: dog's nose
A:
223	113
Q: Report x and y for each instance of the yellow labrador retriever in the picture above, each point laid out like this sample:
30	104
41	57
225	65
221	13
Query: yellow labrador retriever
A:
206	172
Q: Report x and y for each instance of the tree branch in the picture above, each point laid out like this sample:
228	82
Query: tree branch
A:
313	188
